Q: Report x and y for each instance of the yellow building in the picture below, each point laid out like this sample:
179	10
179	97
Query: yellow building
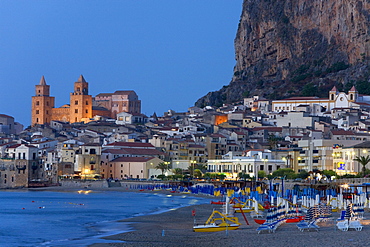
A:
82	107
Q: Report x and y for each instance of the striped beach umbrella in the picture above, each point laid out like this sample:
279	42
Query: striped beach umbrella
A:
349	211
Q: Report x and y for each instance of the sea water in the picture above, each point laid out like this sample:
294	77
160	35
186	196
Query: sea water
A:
49	218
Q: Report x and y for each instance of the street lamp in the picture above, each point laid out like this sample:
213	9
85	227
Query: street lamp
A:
193	162
167	164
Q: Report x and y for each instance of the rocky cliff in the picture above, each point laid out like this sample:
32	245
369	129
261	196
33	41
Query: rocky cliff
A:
297	47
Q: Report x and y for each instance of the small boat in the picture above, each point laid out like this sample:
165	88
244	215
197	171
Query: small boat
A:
295	219
221	223
259	221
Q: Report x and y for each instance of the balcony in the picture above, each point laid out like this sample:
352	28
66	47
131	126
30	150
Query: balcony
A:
21	167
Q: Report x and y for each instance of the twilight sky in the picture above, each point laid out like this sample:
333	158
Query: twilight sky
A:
170	52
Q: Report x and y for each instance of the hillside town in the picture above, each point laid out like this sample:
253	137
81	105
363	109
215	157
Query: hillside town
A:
107	137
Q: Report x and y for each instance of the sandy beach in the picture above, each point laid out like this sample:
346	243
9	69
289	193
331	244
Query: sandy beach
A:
174	228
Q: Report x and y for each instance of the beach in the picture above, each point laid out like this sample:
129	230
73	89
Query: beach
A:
174	228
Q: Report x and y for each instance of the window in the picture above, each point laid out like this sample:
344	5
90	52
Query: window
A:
76	110
76	102
37	102
87	102
37	112
87	111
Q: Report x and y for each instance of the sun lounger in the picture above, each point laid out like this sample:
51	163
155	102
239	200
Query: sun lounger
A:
264	227
355	224
343	225
304	225
270	227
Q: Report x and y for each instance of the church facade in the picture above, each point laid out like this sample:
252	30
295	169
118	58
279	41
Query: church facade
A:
319	106
81	108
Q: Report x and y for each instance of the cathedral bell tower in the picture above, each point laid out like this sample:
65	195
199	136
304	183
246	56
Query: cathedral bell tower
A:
42	104
353	94
80	101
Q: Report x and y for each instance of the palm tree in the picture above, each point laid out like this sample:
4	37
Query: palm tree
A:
201	167
177	171
363	161
163	167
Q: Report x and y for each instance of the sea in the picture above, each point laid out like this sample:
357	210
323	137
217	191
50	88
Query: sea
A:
79	218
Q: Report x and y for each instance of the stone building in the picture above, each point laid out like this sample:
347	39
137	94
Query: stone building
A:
82	107
119	101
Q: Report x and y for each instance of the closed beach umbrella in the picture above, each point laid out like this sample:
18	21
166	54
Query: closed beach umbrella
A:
349	211
309	215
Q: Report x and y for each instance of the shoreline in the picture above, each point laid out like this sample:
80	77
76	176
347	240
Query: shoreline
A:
174	228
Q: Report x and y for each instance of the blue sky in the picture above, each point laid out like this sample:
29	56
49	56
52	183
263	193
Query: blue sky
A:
170	52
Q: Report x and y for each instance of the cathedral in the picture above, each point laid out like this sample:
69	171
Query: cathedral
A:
82	107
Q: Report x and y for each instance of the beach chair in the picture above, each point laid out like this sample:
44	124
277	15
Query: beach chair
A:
264	227
304	225
355	224
343	225
342	214
313	225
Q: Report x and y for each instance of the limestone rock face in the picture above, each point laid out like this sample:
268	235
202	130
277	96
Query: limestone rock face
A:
283	45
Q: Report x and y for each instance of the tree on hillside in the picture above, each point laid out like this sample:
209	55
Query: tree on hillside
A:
363	160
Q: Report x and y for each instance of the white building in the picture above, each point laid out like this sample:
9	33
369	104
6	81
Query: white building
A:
318	106
252	162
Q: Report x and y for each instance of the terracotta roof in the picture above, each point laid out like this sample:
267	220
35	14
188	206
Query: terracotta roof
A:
104	94
130	144
217	135
269	128
132	159
142	151
123	92
3	115
113	151
361	103
342	132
